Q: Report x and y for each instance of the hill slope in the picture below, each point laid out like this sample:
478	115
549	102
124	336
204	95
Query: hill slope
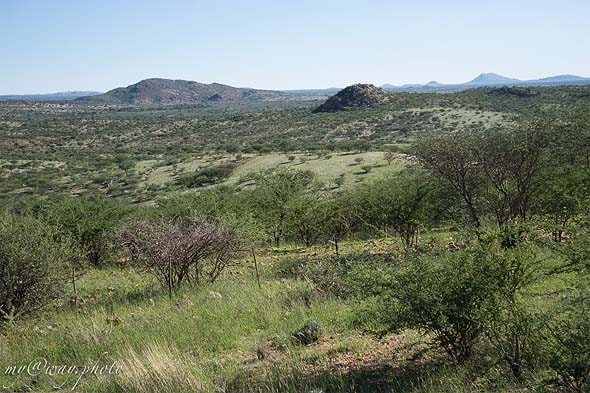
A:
178	92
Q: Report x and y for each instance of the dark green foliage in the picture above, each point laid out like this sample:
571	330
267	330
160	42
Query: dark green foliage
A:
451	296
34	261
308	333
402	204
568	344
275	190
207	176
90	221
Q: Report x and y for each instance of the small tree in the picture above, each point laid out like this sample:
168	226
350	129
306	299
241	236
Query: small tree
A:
511	161
306	217
341	217
514	331
561	198
452	157
125	163
270	200
402	204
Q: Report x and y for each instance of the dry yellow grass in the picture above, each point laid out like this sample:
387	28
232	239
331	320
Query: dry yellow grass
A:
159	367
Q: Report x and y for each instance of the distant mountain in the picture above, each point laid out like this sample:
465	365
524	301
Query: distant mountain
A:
62	96
177	92
563	78
490	79
359	95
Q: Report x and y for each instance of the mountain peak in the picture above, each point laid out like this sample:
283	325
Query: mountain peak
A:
491	78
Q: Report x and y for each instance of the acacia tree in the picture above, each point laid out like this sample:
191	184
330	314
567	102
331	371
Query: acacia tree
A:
90	221
341	217
402	204
451	155
274	191
561	198
574	139
175	251
495	171
511	161
306	217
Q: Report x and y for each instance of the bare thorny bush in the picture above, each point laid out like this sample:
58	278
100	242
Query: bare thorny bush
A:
178	251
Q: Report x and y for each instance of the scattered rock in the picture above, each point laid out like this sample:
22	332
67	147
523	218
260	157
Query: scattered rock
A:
214	295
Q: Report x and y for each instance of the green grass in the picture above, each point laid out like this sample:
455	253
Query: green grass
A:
199	328
200	342
327	168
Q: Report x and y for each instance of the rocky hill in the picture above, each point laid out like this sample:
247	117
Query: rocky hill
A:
178	92
359	95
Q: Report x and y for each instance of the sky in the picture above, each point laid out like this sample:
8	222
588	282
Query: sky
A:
63	45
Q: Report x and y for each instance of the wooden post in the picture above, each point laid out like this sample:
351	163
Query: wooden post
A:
256	267
74	285
170	279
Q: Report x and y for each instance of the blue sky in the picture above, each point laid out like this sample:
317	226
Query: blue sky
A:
59	45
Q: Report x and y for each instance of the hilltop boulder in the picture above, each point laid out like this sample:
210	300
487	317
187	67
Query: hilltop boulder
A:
359	95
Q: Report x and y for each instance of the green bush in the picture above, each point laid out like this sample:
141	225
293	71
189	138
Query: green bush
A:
90	221
451	296
33	265
309	333
207	176
568	344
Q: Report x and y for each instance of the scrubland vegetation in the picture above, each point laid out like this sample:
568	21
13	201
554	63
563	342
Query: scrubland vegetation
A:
439	243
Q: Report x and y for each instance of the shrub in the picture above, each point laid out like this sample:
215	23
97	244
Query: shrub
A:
569	346
514	331
451	296
207	176
309	333
33	265
90	221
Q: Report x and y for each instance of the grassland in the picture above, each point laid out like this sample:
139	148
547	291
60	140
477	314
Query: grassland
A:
234	336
